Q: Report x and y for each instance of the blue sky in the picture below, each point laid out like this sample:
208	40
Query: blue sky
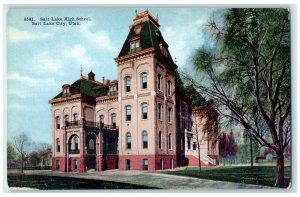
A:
40	59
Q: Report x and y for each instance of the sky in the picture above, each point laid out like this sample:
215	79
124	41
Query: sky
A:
41	58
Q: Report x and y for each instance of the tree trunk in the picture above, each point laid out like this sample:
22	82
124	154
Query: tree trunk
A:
22	164
280	170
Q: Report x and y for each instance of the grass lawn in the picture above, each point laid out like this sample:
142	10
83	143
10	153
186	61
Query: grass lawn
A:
52	182
258	175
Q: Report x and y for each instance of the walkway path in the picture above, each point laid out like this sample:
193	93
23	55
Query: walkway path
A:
163	181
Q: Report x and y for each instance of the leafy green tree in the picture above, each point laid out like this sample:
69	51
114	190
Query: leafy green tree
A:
21	144
11	153
248	72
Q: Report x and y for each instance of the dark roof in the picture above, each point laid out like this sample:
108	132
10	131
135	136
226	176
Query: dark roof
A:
150	37
87	87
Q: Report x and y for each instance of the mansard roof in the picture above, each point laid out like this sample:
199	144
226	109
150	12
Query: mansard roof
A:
149	36
88	87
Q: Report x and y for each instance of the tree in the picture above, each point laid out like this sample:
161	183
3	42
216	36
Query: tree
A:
11	153
248	75
21	143
227	145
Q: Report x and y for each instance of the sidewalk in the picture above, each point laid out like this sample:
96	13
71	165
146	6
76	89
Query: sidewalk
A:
152	179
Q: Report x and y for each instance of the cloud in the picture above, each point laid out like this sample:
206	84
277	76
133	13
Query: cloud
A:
100	38
16	106
30	81
78	54
15	35
44	63
19	92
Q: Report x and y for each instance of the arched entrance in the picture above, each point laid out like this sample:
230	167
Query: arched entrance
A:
91	151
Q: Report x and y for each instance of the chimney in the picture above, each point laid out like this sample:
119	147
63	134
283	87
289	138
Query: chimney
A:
91	76
103	79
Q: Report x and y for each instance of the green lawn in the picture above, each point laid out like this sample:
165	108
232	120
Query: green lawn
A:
258	175
58	183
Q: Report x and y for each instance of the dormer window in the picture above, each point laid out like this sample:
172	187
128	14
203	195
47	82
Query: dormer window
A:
66	90
134	46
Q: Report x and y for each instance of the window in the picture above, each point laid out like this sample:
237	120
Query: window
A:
144	80
160	111
66	120
127	84
57	122
75	119
134	46
144	111
160	140
127	164
128	140
170	141
145	139
75	164
161	163
101	118
171	163
189	141
57	145
57	165
183	123
159	81
194	146
128	112
169	87
145	164
113	119
170	115
91	145
76	143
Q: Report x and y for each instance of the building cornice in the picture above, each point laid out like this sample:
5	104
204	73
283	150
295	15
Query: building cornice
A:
106	99
71	99
135	56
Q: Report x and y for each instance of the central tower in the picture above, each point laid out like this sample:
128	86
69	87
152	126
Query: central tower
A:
147	123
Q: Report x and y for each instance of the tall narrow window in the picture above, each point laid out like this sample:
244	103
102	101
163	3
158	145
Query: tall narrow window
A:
127	161
57	145
160	140
169	87
128	112
160	111
134	46
57	165
75	164
145	139
91	144
57	122
144	80
113	120
170	114
144	111
170	141
128	140
75	119
66	120
127	84
189	141
183	125
76	140
145	164
101	118
159	81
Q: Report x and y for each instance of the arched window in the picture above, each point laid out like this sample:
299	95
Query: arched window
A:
144	111
169	87
160	111
128	140
160	140
170	141
91	144
76	143
159	82
170	115
128	112
57	122
144	80
57	145
75	118
66	120
145	139
101	120
127	82
113	119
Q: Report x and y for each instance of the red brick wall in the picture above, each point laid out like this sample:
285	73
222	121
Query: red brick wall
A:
81	167
111	161
136	161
